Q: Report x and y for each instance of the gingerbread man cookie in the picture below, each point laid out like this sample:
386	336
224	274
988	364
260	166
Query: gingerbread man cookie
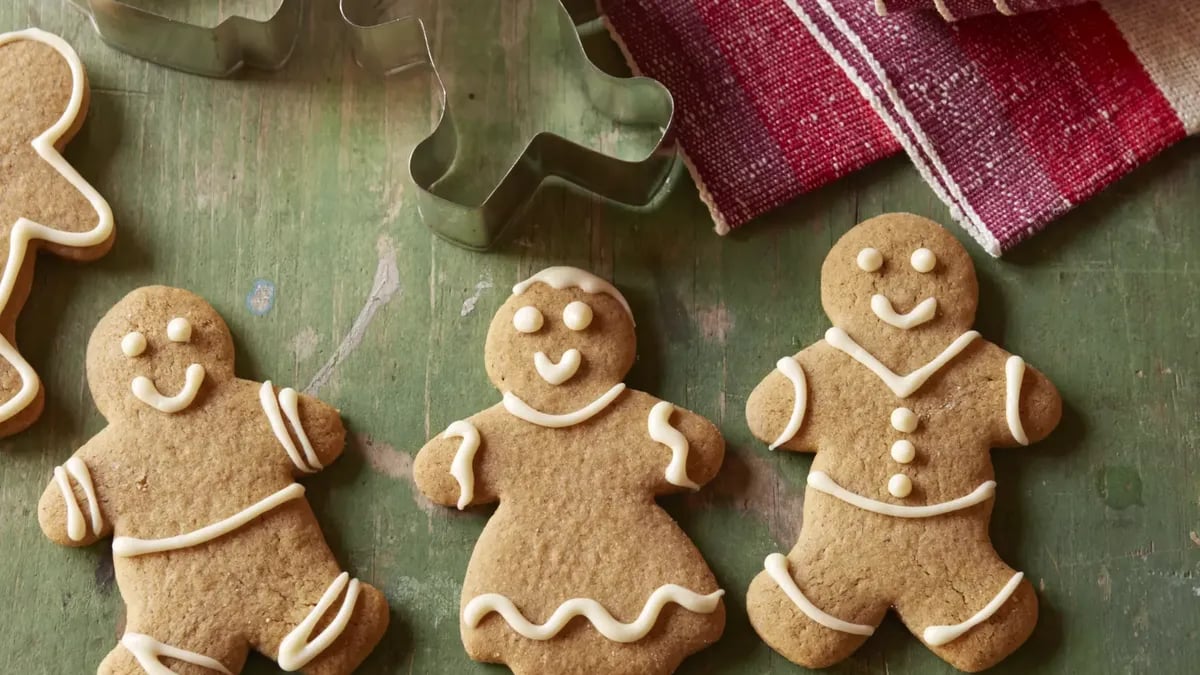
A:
902	403
44	203
578	570
216	550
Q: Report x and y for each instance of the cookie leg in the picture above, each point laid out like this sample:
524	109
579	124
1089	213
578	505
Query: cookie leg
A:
785	604
334	633
975	623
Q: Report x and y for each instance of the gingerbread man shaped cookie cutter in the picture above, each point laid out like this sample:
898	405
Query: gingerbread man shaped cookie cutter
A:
386	44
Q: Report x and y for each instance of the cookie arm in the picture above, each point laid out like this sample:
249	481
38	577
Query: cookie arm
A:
446	469
778	407
1032	405
73	510
696	445
309	432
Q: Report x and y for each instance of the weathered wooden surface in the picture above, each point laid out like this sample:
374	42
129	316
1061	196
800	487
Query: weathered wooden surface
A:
284	199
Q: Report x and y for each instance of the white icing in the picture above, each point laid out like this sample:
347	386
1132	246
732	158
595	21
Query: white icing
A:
903	451
462	467
577	315
288	399
900	486
904	420
559	278
936	636
75	468
906	386
147	393
133	344
923	260
179	329
296	650
148	652
791	369
1014	376
25	230
777	568
921	314
528	319
821	482
518	408
661	431
557	373
869	259
129	547
606	625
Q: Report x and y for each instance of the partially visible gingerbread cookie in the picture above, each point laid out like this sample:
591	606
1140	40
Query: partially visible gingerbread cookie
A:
579	570
215	547
44	202
902	402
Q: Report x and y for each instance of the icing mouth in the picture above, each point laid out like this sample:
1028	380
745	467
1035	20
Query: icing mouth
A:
147	393
557	373
920	314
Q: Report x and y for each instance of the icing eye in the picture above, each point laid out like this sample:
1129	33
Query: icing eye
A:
528	319
870	259
133	344
577	315
923	260
179	330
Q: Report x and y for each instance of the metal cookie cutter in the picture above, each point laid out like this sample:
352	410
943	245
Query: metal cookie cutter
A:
216	51
389	46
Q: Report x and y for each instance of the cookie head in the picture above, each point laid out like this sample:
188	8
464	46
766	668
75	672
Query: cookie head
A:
898	274
158	350
38	85
565	337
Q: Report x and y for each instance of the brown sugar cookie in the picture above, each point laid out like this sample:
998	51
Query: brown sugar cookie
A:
901	402
44	202
578	570
215	548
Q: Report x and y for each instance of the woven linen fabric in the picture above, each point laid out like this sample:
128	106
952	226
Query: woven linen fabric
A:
1012	121
763	113
953	10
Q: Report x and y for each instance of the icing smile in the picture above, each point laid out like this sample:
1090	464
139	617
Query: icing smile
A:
147	393
557	373
920	314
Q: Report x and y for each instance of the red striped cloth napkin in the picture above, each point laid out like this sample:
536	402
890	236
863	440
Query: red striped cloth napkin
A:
953	10
1013	121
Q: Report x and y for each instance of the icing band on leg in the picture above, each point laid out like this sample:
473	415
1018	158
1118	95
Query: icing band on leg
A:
147	651
296	651
936	636
777	568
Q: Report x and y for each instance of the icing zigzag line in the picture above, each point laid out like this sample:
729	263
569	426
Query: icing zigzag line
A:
609	627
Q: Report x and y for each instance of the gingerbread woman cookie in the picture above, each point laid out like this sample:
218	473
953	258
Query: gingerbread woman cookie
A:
902	403
216	550
44	203
579	570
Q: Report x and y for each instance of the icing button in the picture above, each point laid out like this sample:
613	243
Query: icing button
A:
904	420
904	452
900	486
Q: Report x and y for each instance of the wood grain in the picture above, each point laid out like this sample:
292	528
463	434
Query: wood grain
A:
284	199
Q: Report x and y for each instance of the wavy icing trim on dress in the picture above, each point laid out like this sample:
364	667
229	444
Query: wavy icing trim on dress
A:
794	372
148	652
463	465
289	401
939	635
661	431
129	547
520	409
24	230
482	605
296	650
776	566
905	386
75	468
821	482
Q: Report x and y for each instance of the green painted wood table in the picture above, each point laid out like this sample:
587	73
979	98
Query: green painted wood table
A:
284	199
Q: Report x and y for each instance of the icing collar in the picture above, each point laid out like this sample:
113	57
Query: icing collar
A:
518	408
905	386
